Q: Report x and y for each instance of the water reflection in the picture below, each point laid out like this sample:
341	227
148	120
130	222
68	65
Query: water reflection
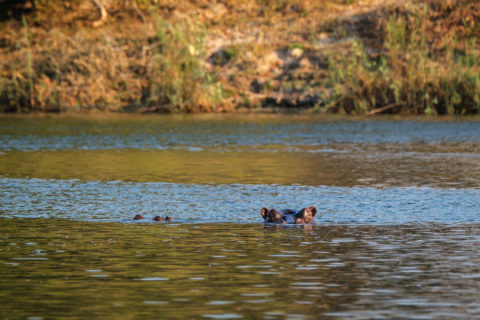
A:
356	165
244	150
397	237
167	271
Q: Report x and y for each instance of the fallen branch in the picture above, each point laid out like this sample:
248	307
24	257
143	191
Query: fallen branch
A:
387	107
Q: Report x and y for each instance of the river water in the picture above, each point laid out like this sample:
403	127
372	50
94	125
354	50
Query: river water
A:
396	236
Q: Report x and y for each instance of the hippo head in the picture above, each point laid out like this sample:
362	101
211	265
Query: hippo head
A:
159	218
304	216
272	216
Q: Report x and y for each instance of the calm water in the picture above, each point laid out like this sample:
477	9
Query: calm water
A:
397	236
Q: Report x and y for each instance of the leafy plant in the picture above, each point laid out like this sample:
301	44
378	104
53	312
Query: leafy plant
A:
178	75
406	75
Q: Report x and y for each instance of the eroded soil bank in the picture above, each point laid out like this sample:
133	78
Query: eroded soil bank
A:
358	57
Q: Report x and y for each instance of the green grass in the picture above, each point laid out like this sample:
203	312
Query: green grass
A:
407	76
27	87
178	75
17	90
30	72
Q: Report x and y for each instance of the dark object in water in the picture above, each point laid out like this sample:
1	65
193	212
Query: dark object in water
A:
304	216
167	218
156	218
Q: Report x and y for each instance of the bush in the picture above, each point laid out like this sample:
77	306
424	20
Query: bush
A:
177	72
407	75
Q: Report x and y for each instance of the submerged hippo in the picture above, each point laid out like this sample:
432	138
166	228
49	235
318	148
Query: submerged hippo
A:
304	216
157	218
167	218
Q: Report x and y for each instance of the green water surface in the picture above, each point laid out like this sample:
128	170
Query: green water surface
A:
397	234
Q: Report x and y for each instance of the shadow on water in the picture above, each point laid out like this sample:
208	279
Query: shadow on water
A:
198	131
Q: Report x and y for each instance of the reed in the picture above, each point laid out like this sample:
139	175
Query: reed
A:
407	76
30	72
17	89
177	72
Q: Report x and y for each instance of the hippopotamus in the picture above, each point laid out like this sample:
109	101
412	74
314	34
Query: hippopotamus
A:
157	218
167	218
303	216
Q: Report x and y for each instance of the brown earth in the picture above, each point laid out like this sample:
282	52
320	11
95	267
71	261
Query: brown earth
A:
260	53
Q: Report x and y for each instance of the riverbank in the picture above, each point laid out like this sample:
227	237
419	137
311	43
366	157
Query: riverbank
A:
347	57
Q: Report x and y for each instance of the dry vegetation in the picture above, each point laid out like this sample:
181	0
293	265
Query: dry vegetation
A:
362	57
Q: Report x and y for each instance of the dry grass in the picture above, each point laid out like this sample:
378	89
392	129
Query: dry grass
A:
198	56
417	71
179	79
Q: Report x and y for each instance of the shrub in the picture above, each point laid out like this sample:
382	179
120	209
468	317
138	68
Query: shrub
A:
177	72
407	75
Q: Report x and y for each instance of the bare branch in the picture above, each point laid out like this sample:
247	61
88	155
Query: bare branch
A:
133	4
387	107
103	13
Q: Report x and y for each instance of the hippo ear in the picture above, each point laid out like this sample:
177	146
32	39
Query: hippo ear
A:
313	210
264	212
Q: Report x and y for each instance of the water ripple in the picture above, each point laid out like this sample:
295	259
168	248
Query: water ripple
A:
192	203
192	133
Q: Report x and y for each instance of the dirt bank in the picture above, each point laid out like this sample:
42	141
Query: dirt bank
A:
359	57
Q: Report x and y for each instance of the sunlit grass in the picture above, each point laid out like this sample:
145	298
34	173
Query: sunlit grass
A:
178	74
181	59
406	75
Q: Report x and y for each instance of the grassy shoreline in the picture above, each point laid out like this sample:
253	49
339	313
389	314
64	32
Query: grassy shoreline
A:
301	56
281	114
